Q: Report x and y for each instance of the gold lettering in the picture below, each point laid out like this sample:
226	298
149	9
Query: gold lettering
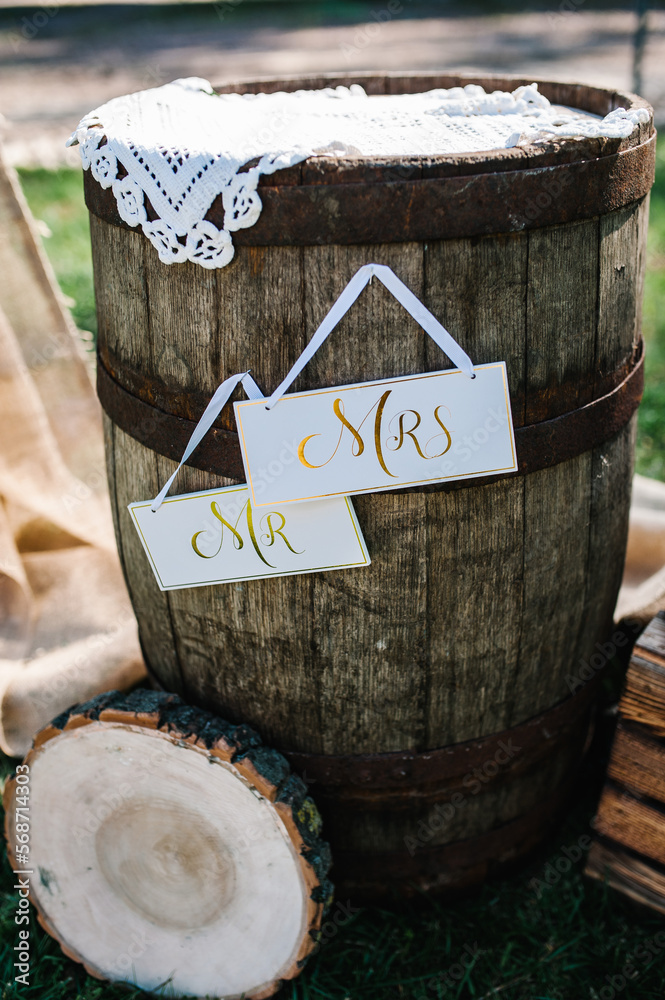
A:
272	532
358	445
445	430
338	410
406	433
377	432
301	450
250	525
237	537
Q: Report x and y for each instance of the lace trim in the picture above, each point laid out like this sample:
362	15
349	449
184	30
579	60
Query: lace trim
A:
203	242
180	146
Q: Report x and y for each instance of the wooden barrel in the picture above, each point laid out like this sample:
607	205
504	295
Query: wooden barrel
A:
437	703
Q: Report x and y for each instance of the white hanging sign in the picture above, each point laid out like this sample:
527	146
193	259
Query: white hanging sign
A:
382	435
216	536
379	435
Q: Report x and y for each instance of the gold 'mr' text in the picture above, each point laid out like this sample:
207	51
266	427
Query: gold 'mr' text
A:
271	526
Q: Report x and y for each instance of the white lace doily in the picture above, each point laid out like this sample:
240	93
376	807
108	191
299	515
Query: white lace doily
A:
181	145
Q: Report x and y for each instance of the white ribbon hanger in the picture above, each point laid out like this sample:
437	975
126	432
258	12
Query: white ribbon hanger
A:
404	295
210	414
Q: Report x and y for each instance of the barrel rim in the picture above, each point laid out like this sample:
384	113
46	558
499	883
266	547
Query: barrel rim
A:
327	169
369	201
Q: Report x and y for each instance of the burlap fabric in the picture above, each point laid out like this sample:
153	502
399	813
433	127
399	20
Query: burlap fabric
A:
67	630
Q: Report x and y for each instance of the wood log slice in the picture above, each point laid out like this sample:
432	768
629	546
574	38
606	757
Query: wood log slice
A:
171	849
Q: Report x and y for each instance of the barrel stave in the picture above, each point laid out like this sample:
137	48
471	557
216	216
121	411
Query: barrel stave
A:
133	475
379	669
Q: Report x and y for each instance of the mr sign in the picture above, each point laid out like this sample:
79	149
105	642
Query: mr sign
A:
215	536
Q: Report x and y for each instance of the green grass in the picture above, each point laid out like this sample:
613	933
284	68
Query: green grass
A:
558	943
56	198
651	438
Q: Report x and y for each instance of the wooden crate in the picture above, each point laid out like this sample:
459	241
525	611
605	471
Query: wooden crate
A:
629	849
